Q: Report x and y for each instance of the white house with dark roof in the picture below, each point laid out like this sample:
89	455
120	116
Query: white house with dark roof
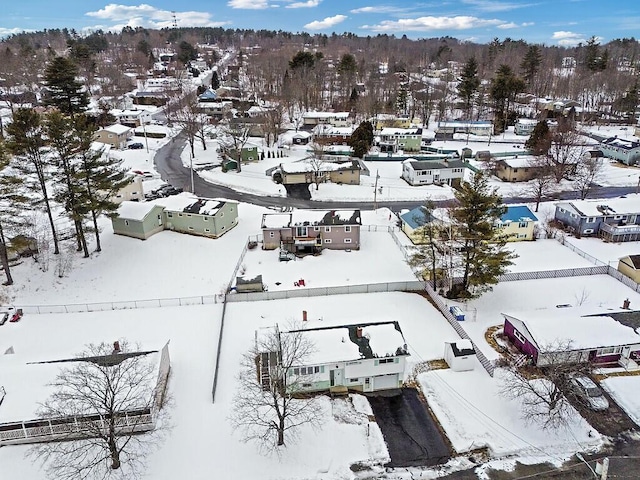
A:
622	150
366	357
428	172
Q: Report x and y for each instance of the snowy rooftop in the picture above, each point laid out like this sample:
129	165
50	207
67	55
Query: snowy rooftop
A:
325	114
27	384
629	204
324	217
548	326
276	220
621	143
135	210
400	131
519	161
332	344
117	129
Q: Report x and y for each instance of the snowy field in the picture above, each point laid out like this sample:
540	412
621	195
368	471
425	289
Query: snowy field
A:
378	260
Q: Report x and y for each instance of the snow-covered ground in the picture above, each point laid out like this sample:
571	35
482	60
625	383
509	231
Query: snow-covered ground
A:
625	392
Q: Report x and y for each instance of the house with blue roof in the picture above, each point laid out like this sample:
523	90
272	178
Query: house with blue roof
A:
517	224
412	223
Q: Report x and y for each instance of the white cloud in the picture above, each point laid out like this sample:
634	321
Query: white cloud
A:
496	6
307	4
379	9
433	23
568	39
326	23
144	15
509	25
249	4
4	32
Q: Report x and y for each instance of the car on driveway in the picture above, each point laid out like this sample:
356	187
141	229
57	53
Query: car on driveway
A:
589	393
143	173
135	146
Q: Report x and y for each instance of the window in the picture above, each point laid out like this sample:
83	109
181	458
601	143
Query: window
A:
385	360
179	214
206	219
523	225
354	380
617	217
347	240
316	229
301	231
515	170
519	336
272	234
191	229
347	228
327	229
601	352
206	230
327	240
591	220
587	231
222	214
223	227
126	222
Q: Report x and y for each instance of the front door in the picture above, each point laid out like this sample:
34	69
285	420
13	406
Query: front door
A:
336	377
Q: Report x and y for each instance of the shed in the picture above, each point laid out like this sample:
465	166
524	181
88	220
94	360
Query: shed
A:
138	219
630	266
249	285
460	355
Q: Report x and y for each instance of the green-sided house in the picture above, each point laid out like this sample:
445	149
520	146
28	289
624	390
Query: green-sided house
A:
184	214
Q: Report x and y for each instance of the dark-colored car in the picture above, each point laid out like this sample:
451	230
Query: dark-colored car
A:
135	146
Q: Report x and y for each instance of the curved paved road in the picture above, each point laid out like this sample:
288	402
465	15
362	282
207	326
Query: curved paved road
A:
171	170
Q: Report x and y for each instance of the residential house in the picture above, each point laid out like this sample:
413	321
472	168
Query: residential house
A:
217	110
412	223
114	135
394	139
310	231
330	135
517	224
337	119
525	126
131	117
516	169
630	266
571	335
387	120
180	213
208	96
157	98
138	219
132	192
433	171
624	151
366	357
311	171
205	217
616	221
344	173
446	130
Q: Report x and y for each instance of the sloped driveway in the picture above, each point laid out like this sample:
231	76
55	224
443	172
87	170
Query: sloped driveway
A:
412	436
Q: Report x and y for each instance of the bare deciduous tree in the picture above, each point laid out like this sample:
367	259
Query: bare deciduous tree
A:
543	181
112	393
268	403
587	172
541	392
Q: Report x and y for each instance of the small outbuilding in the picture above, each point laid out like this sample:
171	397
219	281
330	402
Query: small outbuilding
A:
249	285
138	219
630	266
460	355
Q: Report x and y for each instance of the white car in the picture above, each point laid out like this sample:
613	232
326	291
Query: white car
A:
587	391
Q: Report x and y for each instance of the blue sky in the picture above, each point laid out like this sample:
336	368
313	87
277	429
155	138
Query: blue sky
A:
552	22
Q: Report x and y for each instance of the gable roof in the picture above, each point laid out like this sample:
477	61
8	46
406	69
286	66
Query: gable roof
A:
549	326
117	129
519	213
435	164
633	259
136	210
629	204
417	217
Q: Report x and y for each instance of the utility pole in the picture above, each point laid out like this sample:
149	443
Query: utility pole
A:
375	192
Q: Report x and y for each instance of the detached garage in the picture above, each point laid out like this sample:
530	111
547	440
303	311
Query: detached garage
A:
138	220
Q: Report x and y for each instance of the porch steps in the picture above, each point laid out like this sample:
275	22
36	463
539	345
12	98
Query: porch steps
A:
520	360
338	390
628	364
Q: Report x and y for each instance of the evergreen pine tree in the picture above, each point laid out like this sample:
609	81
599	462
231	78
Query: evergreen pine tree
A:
531	64
65	92
361	139
26	143
539	142
483	252
469	83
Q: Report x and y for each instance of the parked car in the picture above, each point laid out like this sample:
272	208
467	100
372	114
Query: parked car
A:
135	146
588	392
143	173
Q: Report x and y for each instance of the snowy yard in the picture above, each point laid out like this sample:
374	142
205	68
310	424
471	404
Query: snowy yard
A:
606	252
378	260
625	392
542	255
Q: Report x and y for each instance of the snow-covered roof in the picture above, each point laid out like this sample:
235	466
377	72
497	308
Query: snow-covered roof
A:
630	204
324	217
135	210
523	161
621	143
117	129
332	344
28	383
325	115
400	131
276	220
550	326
